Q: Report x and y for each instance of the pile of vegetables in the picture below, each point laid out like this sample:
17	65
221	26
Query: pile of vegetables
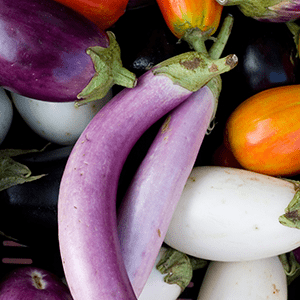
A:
140	157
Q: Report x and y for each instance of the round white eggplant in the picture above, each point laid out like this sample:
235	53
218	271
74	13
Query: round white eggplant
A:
57	122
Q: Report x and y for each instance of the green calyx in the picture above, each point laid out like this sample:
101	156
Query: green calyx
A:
193	69
291	217
179	267
109	71
12	172
196	38
253	8
290	265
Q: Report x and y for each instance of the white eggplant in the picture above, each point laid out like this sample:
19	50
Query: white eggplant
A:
247	280
228	214
57	122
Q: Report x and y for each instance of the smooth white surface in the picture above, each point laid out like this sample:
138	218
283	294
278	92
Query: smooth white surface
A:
6	114
227	214
60	123
249	280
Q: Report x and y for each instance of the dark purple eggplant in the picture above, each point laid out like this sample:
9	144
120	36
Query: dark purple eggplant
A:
149	42
51	53
134	4
28	212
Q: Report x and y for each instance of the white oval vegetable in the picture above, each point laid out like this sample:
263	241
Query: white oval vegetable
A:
247	280
156	288
228	214
58	122
6	114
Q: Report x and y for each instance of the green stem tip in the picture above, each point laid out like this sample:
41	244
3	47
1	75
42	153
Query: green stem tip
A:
192	70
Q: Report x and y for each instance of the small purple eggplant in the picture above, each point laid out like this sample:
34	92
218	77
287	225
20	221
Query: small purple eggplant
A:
49	52
278	11
29	283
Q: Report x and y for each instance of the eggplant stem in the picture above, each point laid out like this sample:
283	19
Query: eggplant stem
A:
218	46
196	38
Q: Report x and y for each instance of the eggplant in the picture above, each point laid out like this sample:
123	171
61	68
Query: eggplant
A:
267	58
277	11
28	212
149	43
33	283
49	52
135	4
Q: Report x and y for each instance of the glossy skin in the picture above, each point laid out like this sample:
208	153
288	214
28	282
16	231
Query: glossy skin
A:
43	49
86	206
282	12
276	11
87	196
33	283
104	13
181	15
263	132
158	183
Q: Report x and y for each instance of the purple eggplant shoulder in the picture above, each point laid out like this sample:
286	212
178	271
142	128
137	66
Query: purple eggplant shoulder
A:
278	11
43	50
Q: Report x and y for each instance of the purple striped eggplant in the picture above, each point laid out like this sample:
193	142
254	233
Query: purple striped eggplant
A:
147	208
156	187
279	11
49	52
87	220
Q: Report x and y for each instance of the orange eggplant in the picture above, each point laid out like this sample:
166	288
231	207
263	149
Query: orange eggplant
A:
263	132
181	15
104	13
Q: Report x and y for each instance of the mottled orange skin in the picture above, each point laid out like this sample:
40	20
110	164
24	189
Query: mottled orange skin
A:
103	13
181	15
263	132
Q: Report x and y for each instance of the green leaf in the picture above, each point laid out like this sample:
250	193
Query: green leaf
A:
177	267
291	218
13	172
290	265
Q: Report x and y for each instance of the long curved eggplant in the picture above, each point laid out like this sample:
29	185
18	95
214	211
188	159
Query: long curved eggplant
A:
51	53
87	222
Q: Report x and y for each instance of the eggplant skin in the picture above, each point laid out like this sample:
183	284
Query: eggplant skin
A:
43	49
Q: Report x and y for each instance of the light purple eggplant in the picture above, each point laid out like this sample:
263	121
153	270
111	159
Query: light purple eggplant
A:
87	221
147	208
278	11
49	52
31	283
150	201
